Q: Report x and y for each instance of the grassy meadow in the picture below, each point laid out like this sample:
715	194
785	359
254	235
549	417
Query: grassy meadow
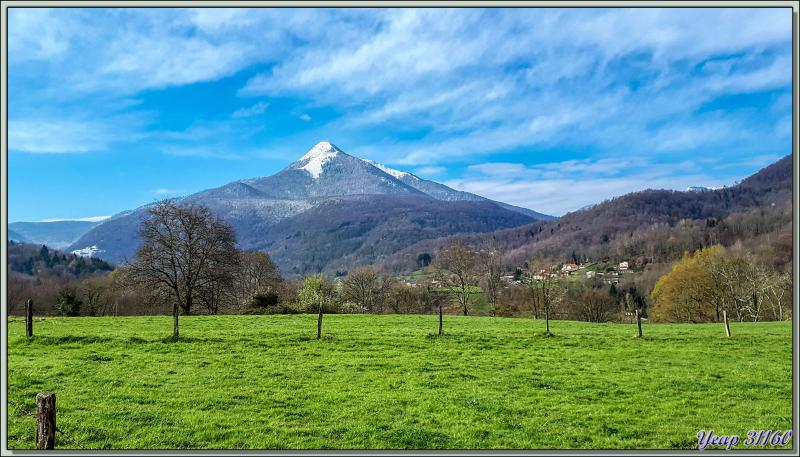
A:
386	382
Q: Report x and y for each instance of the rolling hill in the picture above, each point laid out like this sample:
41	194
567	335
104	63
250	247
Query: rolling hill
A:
649	216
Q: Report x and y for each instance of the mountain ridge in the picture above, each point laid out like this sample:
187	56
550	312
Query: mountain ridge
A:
591	229
315	194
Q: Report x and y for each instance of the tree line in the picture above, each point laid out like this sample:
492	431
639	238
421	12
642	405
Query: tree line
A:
188	263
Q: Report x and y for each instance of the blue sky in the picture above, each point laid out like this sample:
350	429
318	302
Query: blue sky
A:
551	109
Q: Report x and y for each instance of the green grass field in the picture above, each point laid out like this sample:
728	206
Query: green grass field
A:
386	382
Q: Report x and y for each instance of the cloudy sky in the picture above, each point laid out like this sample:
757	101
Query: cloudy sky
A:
551	109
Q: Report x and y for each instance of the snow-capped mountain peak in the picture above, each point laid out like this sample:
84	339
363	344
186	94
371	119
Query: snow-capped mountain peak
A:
316	157
321	149
389	171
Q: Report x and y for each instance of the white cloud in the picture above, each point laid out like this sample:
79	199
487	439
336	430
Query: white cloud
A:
558	196
141	62
499	168
305	117
37	33
477	82
254	110
560	187
57	136
468	75
430	171
164	191
81	219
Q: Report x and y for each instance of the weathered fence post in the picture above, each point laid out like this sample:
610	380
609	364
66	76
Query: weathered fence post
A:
440	320
29	318
639	321
319	322
727	324
45	420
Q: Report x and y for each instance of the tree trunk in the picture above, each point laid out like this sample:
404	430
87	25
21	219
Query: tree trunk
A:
175	313
440	320
319	322
187	310
727	325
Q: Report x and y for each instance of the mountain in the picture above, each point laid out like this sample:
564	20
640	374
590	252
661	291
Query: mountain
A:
56	234
326	171
326	211
442	192
14	236
640	223
354	230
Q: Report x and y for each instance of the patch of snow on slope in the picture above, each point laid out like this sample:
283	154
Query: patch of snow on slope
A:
390	171
87	251
316	158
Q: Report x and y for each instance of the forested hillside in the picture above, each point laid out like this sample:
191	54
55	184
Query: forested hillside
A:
648	226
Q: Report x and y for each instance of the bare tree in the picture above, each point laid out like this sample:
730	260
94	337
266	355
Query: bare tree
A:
491	269
457	265
256	274
94	292
184	249
363	287
216	295
547	293
596	305
779	288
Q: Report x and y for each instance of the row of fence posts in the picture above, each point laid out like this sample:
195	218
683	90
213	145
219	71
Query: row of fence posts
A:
29	321
46	401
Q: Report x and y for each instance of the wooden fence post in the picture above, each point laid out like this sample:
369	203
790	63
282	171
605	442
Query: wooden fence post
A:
440	320
319	322
29	318
727	325
639	321
45	420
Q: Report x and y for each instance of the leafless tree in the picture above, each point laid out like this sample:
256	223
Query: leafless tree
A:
365	288
95	292
256	274
547	293
490	265
184	249
596	305
779	288
457	267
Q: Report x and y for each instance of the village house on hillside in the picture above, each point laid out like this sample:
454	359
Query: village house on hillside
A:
569	268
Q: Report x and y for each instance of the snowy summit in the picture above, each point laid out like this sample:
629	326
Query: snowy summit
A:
316	157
